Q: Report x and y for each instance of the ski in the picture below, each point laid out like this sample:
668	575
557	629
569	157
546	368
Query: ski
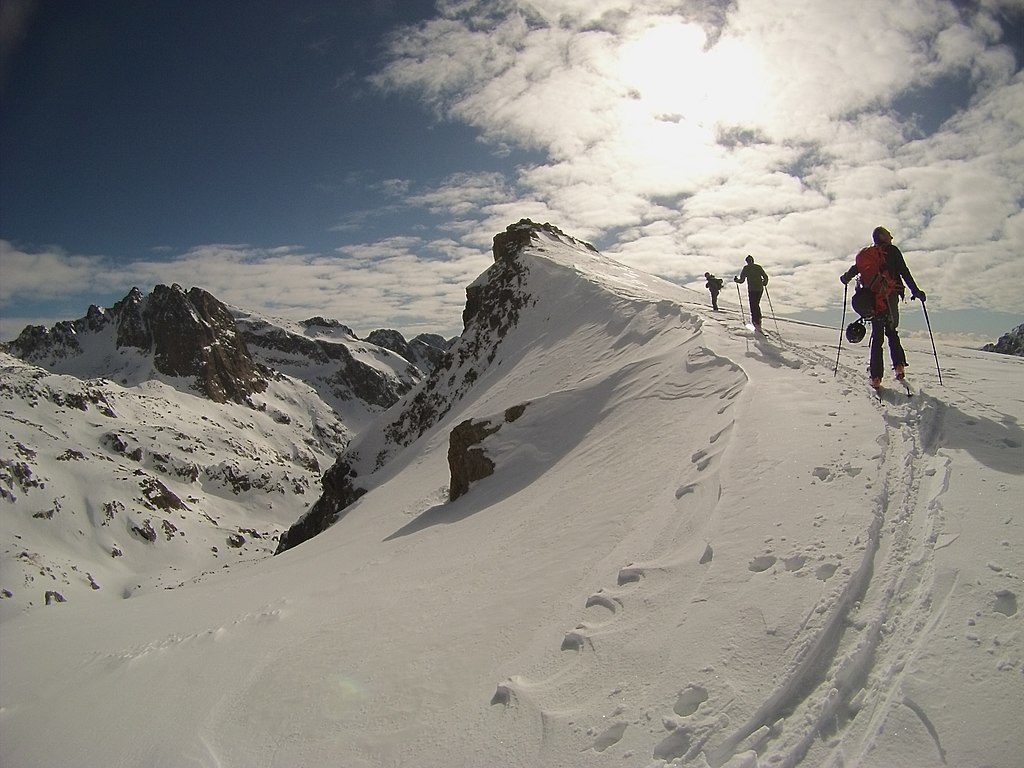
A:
881	389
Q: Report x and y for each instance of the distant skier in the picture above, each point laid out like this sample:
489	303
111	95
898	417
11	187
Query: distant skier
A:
888	272
756	279
714	285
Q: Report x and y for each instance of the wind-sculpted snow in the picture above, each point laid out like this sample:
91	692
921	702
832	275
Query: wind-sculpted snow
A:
695	547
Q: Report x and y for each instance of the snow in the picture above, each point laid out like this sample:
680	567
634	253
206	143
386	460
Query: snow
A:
90	467
699	547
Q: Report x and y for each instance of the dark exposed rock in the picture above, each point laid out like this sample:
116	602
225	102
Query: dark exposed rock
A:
190	335
340	491
53	596
334	325
467	459
425	351
390	339
145	531
351	378
1011	343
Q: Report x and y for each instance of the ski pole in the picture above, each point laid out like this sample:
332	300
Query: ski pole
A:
842	325
772	308
932	337
739	298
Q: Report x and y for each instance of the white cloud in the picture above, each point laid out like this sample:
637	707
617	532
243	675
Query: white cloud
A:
681	136
410	283
676	135
45	274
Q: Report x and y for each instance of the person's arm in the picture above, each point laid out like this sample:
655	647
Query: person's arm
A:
849	274
904	272
742	277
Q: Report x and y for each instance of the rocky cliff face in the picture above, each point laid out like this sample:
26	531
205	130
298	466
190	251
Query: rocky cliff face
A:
467	456
425	351
338	365
181	334
1011	343
493	306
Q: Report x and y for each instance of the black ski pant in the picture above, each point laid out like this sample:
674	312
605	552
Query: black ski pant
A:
714	300
885	326
755	306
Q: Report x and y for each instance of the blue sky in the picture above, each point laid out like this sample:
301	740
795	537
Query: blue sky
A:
354	159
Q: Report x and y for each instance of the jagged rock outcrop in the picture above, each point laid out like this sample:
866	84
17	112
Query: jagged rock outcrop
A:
467	459
1011	343
314	323
493	306
341	377
426	351
186	334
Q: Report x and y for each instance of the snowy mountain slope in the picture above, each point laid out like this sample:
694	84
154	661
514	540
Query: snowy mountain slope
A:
107	490
697	547
358	379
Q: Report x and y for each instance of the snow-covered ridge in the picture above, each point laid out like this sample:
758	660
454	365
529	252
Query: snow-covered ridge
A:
694	546
537	268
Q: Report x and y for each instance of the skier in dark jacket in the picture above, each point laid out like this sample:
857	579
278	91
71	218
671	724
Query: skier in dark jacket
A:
714	284
756	280
885	324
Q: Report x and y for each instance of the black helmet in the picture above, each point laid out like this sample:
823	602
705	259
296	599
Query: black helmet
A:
855	332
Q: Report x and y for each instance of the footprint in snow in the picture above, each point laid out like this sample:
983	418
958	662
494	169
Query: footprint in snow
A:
1006	602
795	563
701	459
575	641
605	601
826	474
708	555
630	574
762	563
685	489
610	736
689	700
826	571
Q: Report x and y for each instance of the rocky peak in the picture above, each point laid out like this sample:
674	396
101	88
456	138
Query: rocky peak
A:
390	339
194	334
426	351
333	325
1011	343
188	334
493	305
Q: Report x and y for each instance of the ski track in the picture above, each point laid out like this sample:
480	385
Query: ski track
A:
852	669
846	666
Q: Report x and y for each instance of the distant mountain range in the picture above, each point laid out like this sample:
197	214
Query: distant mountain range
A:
169	435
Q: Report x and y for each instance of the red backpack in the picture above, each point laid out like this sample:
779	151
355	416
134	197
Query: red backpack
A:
875	284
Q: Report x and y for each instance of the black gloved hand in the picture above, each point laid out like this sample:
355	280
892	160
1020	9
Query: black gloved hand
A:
918	295
844	279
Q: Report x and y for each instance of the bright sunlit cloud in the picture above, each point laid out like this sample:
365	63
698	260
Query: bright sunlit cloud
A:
681	138
676	135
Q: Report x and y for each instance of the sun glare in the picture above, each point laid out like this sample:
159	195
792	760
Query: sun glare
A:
669	70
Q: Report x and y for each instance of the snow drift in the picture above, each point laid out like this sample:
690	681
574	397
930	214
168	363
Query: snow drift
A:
695	547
